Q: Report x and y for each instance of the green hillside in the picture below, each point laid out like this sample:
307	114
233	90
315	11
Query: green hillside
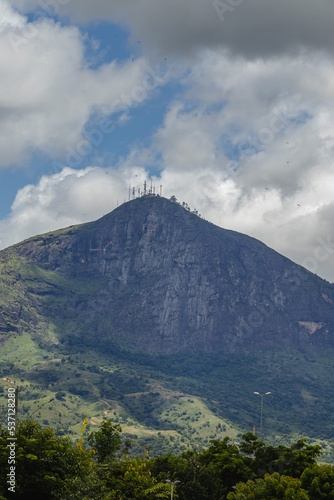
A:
171	403
140	317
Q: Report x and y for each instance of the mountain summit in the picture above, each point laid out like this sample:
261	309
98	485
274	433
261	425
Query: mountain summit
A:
151	276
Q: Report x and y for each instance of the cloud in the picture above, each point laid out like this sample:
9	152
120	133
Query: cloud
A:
299	226
10	19
252	150
256	28
187	139
67	198
271	124
248	141
49	91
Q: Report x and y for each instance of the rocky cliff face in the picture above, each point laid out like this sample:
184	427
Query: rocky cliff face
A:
154	277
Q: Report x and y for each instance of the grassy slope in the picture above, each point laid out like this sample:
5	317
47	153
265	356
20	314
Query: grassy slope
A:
168	402
158	410
185	420
26	290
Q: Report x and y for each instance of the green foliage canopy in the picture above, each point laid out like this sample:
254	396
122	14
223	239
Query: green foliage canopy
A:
271	487
47	465
319	482
106	441
51	467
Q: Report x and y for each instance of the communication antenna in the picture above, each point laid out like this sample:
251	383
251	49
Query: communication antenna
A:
129	192
144	188
138	192
133	193
160	190
151	190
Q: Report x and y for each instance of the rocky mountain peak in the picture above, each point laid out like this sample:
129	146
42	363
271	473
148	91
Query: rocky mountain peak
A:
157	278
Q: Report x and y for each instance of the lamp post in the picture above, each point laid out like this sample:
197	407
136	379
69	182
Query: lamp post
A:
262	396
172	485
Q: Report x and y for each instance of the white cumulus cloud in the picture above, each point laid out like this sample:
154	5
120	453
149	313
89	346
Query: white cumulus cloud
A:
49	92
67	198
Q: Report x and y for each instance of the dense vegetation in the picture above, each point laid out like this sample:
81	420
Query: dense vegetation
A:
86	329
173	402
99	466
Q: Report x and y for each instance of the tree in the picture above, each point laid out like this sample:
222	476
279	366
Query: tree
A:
196	482
269	459
106	441
298	457
131	479
271	487
47	465
319	482
261	458
225	464
159	490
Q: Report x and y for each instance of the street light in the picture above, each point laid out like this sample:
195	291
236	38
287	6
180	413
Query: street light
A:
262	396
172	485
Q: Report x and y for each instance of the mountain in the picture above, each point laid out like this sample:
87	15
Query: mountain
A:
151	276
151	307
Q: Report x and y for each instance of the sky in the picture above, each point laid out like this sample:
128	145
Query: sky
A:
226	104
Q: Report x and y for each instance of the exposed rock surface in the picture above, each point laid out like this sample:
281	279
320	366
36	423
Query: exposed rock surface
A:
155	277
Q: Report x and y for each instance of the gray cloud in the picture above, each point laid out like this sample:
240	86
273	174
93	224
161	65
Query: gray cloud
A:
250	28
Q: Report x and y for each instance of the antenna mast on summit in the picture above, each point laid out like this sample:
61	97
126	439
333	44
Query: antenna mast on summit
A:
160	190
144	188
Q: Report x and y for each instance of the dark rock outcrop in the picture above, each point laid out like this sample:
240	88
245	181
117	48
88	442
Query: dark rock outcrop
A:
153	276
